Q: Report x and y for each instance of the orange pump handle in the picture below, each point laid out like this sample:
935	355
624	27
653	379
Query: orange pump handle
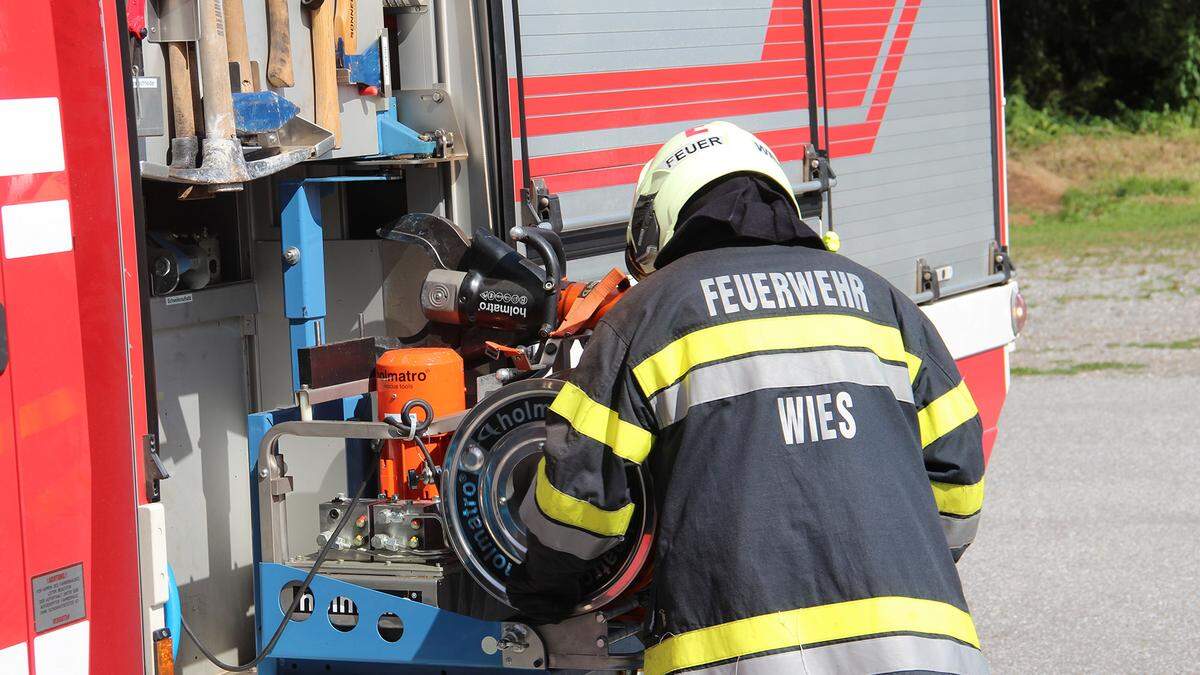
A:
503	350
583	309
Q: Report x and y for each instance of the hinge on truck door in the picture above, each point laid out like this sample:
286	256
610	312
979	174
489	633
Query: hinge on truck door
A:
155	469
543	205
1000	261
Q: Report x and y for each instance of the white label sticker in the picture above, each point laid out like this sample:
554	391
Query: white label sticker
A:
36	228
145	83
30	136
179	299
58	598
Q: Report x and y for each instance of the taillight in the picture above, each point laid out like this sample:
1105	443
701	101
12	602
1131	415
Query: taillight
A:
1020	312
164	659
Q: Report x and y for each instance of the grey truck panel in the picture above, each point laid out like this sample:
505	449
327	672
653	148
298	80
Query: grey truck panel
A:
910	86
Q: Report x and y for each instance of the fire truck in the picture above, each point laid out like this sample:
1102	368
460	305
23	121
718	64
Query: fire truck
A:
241	393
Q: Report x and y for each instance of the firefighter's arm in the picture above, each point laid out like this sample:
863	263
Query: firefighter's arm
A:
578	506
951	433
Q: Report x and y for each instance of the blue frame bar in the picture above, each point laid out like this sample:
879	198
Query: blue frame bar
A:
304	280
432	637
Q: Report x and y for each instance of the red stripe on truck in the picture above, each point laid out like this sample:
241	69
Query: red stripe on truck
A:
855	31
621	166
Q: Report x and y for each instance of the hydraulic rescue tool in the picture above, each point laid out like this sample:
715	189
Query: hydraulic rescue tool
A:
455	457
524	313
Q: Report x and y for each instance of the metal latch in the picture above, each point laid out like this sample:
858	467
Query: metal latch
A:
928	279
543	205
817	167
1001	263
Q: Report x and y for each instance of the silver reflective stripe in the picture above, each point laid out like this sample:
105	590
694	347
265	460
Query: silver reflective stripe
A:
778	371
960	531
560	537
894	653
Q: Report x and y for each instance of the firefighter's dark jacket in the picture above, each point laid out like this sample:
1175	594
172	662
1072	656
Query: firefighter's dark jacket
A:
816	459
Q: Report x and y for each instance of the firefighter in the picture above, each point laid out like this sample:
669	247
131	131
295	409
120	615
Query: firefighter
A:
816	458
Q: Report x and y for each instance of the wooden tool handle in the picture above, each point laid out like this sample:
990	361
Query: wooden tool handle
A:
182	108
214	73
325	87
279	56
346	25
235	42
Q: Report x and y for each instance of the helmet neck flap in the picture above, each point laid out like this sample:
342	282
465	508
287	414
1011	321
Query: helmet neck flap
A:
738	210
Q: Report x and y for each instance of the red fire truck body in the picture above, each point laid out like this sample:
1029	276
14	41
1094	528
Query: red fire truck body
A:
84	542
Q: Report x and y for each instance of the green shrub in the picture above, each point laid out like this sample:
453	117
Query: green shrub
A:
1089	58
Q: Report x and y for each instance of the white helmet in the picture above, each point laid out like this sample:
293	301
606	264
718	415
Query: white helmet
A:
684	166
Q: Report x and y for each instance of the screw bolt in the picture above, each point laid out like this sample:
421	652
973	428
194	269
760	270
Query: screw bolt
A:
291	256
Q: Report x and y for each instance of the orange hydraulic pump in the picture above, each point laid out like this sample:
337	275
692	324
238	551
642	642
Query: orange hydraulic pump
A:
434	375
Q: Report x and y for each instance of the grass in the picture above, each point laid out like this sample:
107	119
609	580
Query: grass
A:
1064	299
1077	368
1191	343
1122	218
1120	231
1028	126
1124	189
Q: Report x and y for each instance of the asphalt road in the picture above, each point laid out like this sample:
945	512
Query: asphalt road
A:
1088	560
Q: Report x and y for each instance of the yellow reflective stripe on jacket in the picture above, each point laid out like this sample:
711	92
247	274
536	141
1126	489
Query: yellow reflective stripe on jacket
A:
775	333
810	625
946	413
577	512
958	500
602	424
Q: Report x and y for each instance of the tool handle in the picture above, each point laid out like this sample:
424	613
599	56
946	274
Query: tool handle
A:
180	73
325	87
279	56
214	73
235	41
346	25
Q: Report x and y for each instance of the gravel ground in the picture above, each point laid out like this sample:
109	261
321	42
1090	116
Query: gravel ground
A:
1139	318
1089	556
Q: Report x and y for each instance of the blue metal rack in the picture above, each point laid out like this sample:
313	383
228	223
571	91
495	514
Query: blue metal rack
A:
433	640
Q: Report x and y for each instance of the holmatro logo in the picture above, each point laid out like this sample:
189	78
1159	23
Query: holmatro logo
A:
404	376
